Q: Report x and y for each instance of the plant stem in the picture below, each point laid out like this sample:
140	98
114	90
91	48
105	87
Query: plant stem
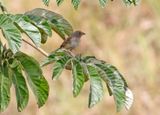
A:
37	48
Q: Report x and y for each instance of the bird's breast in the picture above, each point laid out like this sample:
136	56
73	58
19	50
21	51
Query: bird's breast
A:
75	42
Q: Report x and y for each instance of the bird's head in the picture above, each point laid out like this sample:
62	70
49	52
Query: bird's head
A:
78	34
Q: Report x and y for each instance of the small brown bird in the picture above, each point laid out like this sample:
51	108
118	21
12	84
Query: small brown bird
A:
73	41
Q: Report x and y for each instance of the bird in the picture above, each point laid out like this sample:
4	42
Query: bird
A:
72	41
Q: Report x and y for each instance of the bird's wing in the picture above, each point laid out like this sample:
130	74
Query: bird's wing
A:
65	42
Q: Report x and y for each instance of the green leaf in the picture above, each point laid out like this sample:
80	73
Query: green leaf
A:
39	87
136	2
78	77
21	89
45	30
59	2
47	61
103	75
129	2
116	84
10	32
57	70
29	29
57	22
76	3
31	65
96	88
35	78
5	85
103	3
46	2
43	26
54	56
59	66
90	60
93	60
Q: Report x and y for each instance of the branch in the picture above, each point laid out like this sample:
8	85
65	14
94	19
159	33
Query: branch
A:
37	48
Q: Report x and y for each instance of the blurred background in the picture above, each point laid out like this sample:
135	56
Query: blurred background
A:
127	37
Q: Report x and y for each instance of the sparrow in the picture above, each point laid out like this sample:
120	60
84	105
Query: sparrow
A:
72	41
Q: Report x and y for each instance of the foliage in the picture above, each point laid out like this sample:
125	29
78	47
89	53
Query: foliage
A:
86	68
103	3
36	24
17	67
11	71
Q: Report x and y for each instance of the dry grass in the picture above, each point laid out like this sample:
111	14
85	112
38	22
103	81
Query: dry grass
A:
127	37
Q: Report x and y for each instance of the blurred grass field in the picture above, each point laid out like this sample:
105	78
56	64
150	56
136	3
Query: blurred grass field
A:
127	37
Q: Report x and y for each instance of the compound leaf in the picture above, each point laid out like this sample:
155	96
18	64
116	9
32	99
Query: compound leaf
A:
35	77
60	25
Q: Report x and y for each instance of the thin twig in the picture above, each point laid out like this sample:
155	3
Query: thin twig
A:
37	48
